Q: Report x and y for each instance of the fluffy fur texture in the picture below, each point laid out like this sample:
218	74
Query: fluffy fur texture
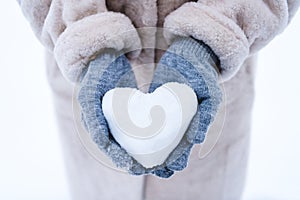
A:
82	40
78	30
233	29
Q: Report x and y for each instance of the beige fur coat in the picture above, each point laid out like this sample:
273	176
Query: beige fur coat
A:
74	31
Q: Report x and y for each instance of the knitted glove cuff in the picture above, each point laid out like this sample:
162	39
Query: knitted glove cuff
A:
188	48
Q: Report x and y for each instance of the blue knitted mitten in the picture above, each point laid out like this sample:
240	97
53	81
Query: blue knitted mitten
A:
193	63
109	70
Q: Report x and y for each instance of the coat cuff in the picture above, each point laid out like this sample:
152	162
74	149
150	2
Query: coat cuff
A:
84	39
219	32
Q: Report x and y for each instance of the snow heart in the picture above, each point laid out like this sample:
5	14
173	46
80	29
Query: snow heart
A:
149	126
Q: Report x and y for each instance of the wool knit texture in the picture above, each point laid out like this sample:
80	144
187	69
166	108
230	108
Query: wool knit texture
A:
186	61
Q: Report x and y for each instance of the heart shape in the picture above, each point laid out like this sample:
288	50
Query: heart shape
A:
150	126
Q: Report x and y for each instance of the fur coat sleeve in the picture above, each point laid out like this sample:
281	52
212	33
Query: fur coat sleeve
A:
75	31
234	29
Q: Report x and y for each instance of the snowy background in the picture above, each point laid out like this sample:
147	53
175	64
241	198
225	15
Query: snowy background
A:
31	163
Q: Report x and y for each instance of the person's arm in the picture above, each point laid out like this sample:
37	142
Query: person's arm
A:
233	29
76	31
